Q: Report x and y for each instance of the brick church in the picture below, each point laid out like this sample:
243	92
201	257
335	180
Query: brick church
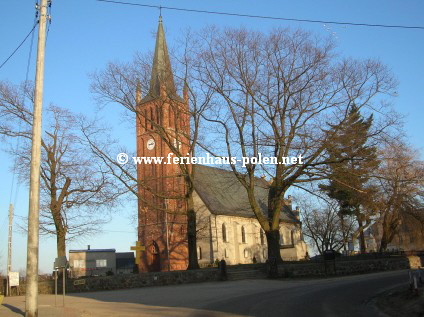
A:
227	229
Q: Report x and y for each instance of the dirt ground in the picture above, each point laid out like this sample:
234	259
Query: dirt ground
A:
402	302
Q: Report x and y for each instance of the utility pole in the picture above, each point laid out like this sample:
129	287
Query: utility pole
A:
31	295
9	248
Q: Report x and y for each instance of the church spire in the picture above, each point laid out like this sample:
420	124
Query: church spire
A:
162	77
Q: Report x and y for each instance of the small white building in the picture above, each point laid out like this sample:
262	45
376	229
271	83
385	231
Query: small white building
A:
226	226
100	262
92	262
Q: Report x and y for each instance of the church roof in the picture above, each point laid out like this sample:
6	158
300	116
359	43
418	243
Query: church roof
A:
161	70
223	194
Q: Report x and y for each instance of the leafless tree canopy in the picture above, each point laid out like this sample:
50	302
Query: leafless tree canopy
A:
323	227
280	95
75	186
400	183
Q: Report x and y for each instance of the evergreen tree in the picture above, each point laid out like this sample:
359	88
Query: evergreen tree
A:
348	179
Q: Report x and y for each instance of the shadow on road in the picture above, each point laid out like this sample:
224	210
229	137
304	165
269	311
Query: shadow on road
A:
14	309
338	296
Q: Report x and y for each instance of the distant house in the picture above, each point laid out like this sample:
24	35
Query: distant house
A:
370	239
100	262
125	262
409	236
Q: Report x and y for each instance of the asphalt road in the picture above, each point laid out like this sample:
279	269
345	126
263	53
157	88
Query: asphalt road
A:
342	296
347	296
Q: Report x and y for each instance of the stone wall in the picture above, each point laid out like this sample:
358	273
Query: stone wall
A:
310	268
126	281
44	287
293	269
145	279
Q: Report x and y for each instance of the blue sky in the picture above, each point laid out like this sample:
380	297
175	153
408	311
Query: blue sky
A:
86	34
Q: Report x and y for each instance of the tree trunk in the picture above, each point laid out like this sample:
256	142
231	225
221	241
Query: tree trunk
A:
273	240
275	202
60	230
383	242
191	235
390	226
344	234
61	243
361	236
384	235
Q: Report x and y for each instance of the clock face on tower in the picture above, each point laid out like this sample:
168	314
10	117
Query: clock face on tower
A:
151	144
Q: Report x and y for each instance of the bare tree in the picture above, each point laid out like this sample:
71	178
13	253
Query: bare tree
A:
75	186
281	95
400	183
323	227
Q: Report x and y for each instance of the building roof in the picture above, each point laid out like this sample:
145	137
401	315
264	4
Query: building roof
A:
125	260
161	70
92	250
223	194
124	255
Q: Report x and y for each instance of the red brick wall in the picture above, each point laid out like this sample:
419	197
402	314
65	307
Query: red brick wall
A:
161	188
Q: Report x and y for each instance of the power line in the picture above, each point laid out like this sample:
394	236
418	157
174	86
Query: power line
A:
13	53
265	17
117	231
20	122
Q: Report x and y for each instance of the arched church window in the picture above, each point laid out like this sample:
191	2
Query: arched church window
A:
155	248
246	253
281	239
243	234
224	233
170	114
262	236
292	237
151	118
158	116
199	253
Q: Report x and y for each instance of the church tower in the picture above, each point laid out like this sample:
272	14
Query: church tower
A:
163	129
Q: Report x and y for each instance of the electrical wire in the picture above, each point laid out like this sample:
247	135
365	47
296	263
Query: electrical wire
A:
117	231
19	124
16	49
265	17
